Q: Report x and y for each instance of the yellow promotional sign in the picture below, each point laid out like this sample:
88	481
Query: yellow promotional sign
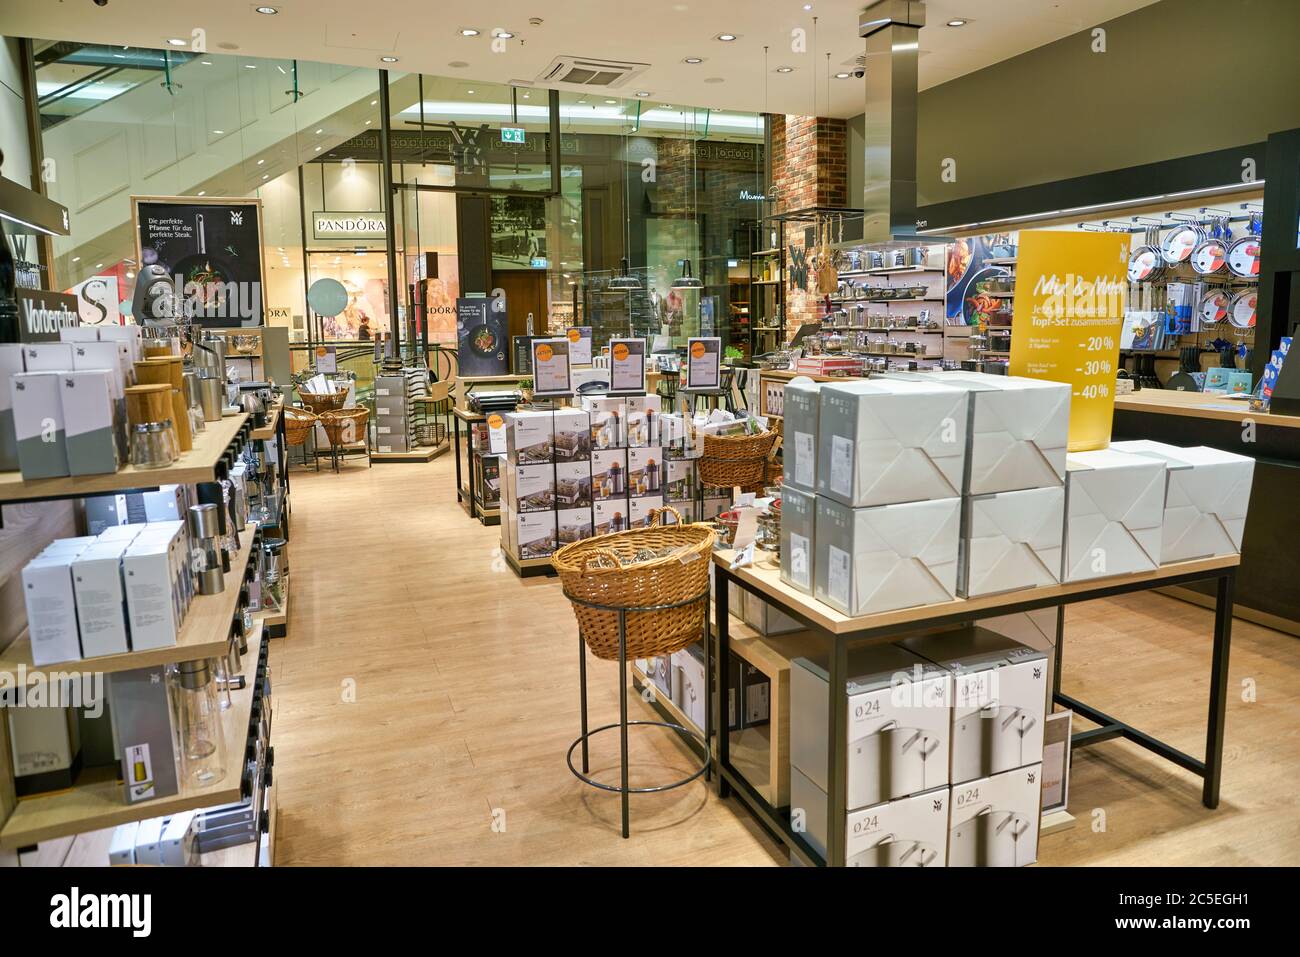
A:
1068	313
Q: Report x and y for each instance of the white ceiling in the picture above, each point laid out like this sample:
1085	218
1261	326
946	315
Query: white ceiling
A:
426	38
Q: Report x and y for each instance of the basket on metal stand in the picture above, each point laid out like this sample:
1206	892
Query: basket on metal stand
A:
298	424
736	460
638	594
319	402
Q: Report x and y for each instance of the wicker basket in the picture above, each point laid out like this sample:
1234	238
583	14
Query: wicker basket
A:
602	570
430	434
298	423
345	426
735	460
318	402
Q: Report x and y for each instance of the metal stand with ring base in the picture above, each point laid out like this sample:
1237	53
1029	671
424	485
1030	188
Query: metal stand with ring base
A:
623	723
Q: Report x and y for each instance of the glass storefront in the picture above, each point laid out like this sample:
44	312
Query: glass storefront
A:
482	197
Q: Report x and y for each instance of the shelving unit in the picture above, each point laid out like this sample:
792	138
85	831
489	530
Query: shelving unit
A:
766	296
96	800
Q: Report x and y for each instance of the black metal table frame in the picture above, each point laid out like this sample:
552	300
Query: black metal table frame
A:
476	508
777	819
623	723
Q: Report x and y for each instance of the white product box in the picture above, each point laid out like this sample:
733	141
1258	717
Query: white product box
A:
692	688
532	487
529	437
48	356
154	601
572	435
662	674
643	421
680	477
11	364
607	414
89	421
114	356
899	723
802	406
131	335
1206	498
994	821
908	832
535	533
123	532
714	506
121	851
45	742
764	617
999	696
51	608
101	599
572	484
798	538
148	842
885	441
645	471
68	547
641	510
1019	430
573	524
1114	503
79	334
893	556
177	841
1012	540
105	512
608	474
610	515
676	434
38	424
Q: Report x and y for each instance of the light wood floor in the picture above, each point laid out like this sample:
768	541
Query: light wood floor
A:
465	679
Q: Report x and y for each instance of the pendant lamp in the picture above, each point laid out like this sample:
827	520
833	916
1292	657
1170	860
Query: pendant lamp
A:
625	280
686	280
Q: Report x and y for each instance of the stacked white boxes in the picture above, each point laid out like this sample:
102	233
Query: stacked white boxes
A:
546	482
395	397
1115	512
899	729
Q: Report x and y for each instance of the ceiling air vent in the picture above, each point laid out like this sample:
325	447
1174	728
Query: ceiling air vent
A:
584	73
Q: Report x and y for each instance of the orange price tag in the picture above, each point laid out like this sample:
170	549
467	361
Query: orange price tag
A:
574	335
544	353
697	350
620	351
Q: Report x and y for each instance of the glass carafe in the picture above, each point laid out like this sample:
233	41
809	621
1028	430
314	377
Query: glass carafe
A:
202	745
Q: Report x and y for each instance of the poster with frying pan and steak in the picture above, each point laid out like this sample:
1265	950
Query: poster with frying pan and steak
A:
211	250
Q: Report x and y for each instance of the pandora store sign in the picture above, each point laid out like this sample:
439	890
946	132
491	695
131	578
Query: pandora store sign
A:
328	225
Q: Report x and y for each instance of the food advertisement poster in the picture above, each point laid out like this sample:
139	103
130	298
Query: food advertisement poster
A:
551	368
972	262
627	365
481	339
703	370
1069	313
212	249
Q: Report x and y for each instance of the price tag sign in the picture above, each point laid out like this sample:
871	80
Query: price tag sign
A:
703	363
1067	321
743	557
552	374
327	360
580	345
627	365
496	424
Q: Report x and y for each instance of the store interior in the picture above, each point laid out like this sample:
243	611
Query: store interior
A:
797	435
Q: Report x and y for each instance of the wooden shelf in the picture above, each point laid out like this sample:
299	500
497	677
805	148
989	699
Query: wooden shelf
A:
197	465
96	800
888	271
662	699
272	420
204	633
887	301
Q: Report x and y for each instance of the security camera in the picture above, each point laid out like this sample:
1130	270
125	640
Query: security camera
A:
858	73
101	3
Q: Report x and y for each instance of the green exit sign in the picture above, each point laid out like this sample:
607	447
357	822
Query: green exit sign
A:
511	134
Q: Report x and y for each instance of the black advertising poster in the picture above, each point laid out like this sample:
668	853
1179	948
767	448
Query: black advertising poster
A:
41	314
211	249
481	333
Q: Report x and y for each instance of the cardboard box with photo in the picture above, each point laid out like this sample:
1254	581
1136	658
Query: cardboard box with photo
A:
608	474
573	484
572	435
645	471
610	515
529	437
573	525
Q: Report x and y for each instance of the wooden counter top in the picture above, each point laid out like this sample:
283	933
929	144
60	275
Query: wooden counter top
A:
1200	405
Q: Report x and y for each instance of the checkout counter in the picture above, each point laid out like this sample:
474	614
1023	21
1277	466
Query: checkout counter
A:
1267	589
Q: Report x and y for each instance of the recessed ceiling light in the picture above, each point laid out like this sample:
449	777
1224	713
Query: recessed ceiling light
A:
374	102
204	62
504	35
841	76
99	265
267	11
388	59
320	131
611	102
457	64
727	37
527	95
203	192
368	122
957	22
250	66
469	32
260	162
693	60
266	176
807	6
469	91
318	149
219	132
76	259
174	41
785	69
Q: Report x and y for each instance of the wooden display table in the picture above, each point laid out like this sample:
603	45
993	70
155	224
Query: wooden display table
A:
839	631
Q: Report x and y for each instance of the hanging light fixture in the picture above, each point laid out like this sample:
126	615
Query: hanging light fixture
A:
625	280
686	280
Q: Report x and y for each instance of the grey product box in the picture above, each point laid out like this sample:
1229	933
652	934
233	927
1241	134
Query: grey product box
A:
142	726
680	479
756	696
38	424
808	799
534	487
798	538
46	748
89	423
530	437
572	442
11	363
802	409
572	485
662	674
573	525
